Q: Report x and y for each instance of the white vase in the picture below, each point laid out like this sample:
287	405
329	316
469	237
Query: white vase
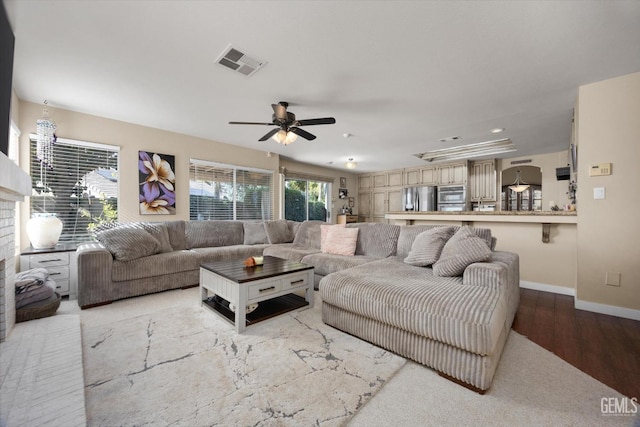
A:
44	231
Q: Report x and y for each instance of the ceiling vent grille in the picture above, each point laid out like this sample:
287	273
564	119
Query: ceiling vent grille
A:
238	61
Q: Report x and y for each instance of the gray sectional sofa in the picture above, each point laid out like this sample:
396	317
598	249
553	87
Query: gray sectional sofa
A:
415	290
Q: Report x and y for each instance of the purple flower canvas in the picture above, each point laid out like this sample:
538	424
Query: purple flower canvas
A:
157	183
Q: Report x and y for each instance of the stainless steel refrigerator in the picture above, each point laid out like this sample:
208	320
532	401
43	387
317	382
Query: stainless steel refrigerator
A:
419	198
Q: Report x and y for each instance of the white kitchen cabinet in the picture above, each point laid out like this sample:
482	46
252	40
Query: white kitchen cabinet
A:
483	181
412	177
364	207
379	180
364	182
455	173
429	176
394	178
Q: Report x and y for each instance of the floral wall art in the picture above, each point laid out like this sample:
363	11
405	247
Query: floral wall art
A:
157	183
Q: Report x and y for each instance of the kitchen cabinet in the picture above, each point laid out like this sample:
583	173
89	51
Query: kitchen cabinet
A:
364	182
364	206
394	178
429	175
482	180
455	173
379	180
412	177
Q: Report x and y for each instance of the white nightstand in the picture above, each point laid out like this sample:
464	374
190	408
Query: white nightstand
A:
61	262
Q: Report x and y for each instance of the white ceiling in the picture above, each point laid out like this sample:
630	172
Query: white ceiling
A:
398	76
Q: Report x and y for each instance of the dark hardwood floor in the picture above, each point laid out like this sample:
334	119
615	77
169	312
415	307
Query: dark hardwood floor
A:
605	347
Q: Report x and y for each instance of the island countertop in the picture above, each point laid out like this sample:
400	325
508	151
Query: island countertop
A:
540	217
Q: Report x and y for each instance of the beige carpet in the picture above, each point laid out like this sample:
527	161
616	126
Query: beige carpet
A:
184	366
129	340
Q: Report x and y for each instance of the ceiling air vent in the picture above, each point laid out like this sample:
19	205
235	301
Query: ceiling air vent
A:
239	61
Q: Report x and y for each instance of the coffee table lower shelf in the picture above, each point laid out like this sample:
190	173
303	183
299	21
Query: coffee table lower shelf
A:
266	309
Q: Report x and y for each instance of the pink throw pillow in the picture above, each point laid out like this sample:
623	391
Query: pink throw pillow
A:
341	241
324	229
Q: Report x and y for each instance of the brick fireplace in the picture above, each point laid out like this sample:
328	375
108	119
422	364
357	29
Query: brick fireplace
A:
15	184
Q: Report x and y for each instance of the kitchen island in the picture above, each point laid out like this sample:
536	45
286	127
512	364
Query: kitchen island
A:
545	240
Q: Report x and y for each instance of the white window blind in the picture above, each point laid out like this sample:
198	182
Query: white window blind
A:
219	191
81	187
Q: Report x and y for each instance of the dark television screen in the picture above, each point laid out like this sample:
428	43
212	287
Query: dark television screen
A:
7	41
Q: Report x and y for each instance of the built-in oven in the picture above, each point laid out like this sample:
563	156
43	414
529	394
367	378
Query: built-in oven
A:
452	198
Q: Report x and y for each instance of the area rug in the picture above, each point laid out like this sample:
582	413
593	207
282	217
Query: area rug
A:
182	365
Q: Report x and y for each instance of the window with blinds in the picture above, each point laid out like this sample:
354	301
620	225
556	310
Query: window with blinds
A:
80	186
218	191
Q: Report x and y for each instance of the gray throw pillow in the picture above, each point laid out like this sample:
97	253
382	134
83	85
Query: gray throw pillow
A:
462	250
254	233
428	245
278	231
129	243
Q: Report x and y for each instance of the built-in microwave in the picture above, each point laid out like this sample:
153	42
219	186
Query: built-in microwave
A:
452	194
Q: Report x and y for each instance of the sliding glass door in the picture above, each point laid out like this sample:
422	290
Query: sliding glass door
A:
306	199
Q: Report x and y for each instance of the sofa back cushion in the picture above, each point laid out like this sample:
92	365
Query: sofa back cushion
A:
278	231
376	240
254	233
213	233
177	237
309	234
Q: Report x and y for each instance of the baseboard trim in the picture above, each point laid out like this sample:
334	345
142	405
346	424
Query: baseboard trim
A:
548	288
612	310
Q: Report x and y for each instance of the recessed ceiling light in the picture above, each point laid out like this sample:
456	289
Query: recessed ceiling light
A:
497	130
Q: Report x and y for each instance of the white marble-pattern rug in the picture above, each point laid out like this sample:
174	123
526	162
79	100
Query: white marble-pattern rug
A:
184	366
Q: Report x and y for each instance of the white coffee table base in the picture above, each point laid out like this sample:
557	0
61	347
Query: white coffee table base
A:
243	294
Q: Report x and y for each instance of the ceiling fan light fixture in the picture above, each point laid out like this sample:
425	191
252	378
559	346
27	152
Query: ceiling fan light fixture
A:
351	164
285	138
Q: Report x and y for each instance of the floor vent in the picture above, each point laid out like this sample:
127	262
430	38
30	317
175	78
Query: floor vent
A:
236	60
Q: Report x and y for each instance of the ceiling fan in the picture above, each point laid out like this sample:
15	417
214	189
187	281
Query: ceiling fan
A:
288	128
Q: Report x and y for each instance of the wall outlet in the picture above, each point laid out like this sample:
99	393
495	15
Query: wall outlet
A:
612	279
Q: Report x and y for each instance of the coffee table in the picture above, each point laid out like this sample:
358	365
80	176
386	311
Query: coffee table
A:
271	285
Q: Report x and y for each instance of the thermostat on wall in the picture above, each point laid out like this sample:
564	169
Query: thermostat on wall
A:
600	169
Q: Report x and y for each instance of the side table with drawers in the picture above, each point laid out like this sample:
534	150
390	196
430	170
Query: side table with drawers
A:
60	262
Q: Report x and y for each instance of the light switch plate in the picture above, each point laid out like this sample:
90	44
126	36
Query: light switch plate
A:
598	193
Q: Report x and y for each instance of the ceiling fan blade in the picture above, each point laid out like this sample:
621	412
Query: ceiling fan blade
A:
303	133
269	134
250	123
311	122
280	111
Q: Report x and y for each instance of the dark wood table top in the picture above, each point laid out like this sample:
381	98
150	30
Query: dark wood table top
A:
236	271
